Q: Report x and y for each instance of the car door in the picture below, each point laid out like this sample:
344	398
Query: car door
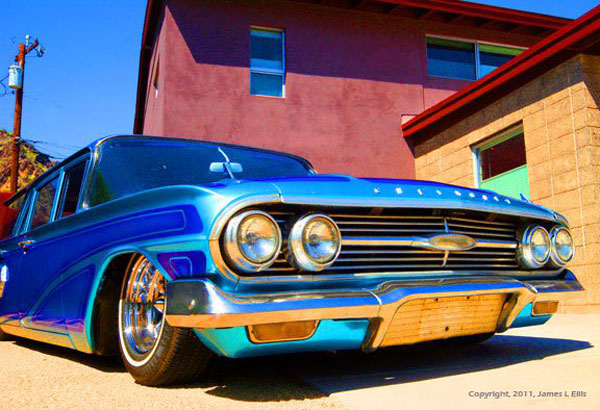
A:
14	214
39	269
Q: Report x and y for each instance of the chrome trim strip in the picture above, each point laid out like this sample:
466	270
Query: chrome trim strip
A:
404	275
420	242
437	220
57	339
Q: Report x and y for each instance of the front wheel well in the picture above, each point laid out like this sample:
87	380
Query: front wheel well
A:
105	333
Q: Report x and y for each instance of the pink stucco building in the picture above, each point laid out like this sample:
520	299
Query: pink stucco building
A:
332	81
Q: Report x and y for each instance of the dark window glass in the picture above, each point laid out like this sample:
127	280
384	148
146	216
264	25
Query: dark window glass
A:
492	57
133	165
73	181
267	71
266	49
451	58
502	157
266	84
44	203
9	215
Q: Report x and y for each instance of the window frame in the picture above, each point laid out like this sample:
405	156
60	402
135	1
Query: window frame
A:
35	193
270	71
488	143
23	212
476	44
24	222
63	187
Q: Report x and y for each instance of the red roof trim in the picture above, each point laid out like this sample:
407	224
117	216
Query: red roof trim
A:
485	11
550	48
150	23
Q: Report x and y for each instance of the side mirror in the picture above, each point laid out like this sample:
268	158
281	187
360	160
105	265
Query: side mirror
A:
222	167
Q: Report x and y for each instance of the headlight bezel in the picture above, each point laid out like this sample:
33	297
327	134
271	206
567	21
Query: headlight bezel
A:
525	252
555	259
231	245
298	255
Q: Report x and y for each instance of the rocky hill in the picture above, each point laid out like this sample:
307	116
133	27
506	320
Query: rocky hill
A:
32	162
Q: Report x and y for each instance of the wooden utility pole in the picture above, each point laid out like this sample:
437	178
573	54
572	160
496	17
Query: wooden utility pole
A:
15	148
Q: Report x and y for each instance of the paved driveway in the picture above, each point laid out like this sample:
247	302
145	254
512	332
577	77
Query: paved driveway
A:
561	360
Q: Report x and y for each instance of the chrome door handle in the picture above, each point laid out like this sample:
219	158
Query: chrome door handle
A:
26	244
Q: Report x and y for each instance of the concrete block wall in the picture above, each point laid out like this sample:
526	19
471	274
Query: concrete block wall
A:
561	122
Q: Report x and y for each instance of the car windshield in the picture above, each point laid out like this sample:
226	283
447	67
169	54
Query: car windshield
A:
130	165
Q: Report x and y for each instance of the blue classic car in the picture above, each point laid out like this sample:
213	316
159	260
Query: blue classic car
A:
172	250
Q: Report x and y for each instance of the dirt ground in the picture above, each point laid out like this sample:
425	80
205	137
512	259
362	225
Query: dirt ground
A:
552	366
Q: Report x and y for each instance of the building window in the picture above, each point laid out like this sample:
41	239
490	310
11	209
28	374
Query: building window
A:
267	62
502	165
468	60
492	56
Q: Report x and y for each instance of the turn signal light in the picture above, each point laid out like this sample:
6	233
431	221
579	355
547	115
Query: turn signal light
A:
545	308
281	332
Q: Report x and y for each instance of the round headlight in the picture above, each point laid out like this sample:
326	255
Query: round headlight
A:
252	240
315	242
534	247
563	249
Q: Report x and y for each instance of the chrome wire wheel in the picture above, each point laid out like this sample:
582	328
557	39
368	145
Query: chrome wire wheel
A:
141	311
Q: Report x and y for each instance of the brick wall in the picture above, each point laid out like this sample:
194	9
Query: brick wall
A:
561	122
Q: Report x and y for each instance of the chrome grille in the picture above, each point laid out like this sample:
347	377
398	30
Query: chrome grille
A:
497	238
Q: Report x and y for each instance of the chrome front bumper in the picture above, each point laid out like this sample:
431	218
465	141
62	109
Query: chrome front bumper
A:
202	305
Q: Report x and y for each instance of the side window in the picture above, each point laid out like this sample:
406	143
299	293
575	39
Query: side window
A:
72	188
44	203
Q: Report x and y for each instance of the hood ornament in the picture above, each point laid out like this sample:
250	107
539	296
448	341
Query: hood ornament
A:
452	242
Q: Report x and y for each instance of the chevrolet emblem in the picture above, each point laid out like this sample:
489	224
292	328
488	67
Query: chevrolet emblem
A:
452	242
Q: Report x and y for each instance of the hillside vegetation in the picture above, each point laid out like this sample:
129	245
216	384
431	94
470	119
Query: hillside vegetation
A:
32	162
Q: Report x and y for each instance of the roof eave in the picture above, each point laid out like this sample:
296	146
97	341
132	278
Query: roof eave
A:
542	57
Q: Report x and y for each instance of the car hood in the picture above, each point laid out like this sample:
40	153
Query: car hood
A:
344	190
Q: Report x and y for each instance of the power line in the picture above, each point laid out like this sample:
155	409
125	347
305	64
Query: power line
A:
51	153
54	144
6	91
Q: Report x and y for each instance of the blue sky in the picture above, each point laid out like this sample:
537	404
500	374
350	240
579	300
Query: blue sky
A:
85	85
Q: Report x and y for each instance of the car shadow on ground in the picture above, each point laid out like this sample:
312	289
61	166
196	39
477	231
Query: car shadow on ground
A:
329	373
315	375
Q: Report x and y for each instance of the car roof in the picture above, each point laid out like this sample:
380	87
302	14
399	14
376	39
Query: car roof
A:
94	145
